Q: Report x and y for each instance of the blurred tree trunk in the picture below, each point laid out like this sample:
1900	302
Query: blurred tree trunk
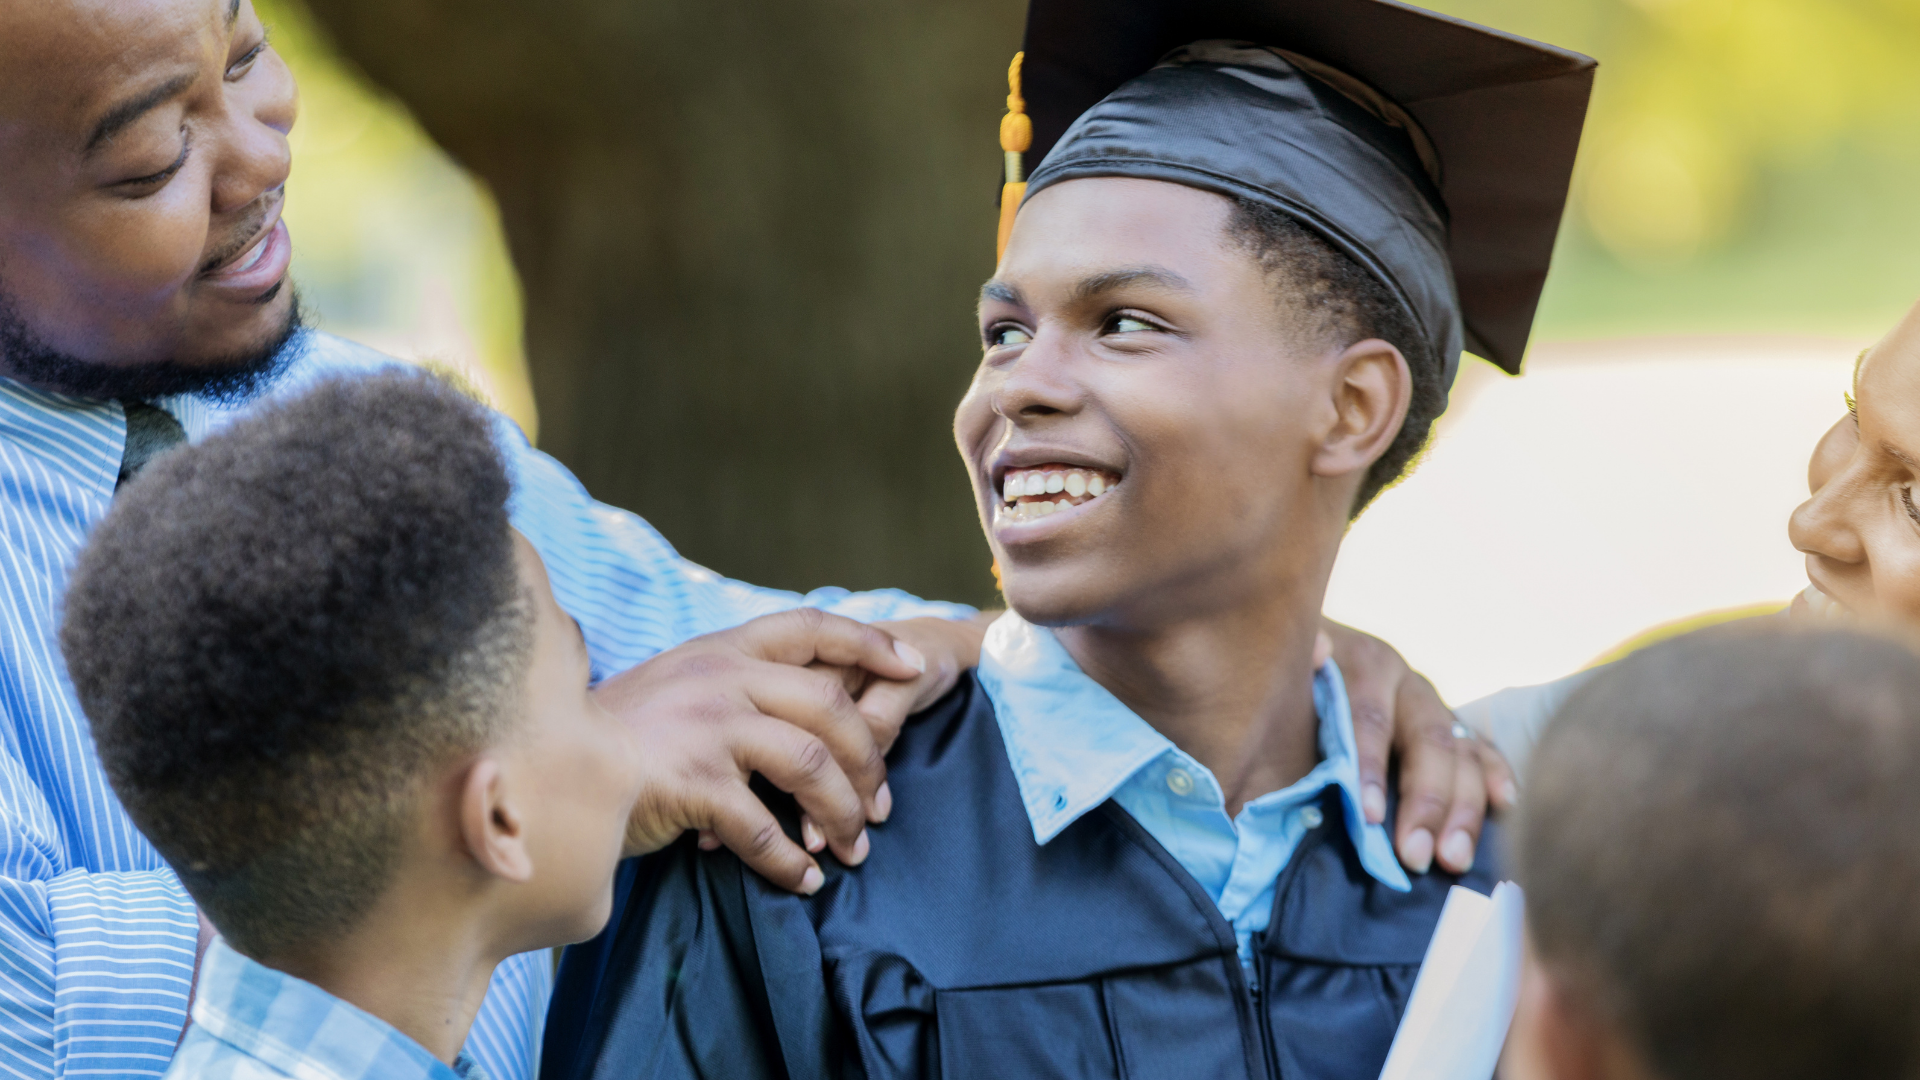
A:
750	234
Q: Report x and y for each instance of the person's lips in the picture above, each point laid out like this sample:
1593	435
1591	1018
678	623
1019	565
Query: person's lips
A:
1050	492
1815	602
257	267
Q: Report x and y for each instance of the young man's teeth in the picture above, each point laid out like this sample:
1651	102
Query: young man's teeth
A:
1073	487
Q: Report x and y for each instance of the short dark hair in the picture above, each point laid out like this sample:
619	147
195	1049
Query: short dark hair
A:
277	635
1720	843
1344	301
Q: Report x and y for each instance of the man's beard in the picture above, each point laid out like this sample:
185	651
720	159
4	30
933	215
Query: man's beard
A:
25	357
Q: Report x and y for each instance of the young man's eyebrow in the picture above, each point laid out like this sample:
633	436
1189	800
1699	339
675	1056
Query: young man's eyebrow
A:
1002	292
1153	276
233	13
124	114
1093	285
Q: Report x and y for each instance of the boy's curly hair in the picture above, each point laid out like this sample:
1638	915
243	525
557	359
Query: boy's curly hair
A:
278	634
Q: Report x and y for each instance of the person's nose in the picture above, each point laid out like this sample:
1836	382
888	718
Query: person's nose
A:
1825	526
1040	382
255	157
1832	453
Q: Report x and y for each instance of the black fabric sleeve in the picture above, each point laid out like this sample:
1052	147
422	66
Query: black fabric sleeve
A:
674	988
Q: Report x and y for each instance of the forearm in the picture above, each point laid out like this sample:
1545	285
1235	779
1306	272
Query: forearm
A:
105	960
1513	719
633	595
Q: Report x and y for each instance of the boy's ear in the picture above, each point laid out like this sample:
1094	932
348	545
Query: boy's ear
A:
490	822
1558	1034
1372	388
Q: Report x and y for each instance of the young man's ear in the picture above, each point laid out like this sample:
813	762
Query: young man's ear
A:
1371	391
490	822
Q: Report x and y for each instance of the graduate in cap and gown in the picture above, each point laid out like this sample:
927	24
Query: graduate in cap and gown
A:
1228	309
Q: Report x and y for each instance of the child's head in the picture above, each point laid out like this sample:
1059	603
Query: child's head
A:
1721	850
1861	529
1218	387
317	659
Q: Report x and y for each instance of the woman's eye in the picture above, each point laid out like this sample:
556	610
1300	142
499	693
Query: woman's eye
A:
239	68
1906	500
1001	336
1127	324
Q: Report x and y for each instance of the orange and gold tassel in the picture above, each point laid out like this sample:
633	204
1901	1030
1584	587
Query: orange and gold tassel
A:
1016	135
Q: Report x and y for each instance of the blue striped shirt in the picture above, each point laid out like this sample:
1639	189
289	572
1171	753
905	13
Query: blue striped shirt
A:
96	935
251	1022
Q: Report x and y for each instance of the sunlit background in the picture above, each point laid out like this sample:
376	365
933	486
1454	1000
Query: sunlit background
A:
1746	218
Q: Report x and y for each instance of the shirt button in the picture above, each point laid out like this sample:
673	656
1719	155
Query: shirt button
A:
1310	817
1180	782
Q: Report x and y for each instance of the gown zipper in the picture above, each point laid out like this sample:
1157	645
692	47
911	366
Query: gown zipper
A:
1262	1016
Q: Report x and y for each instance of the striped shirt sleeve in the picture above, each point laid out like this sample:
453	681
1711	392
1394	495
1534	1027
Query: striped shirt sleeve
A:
505	1038
95	970
633	595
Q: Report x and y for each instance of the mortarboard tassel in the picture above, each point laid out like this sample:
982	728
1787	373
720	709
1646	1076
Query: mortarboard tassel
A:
1016	134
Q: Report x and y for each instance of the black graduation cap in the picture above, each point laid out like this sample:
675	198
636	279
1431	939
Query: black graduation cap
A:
1435	152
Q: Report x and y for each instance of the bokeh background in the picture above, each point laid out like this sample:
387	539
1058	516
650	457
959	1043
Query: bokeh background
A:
721	258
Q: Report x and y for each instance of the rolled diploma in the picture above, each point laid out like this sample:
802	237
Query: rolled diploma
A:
1463	999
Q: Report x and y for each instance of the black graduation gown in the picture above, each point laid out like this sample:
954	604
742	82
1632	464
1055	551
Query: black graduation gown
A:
964	949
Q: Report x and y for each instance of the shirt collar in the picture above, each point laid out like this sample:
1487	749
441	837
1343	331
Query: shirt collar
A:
302	1030
1072	744
80	440
84	440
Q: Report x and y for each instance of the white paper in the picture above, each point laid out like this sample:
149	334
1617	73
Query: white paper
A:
1462	1003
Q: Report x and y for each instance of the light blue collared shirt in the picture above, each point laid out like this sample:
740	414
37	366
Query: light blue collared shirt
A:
1073	746
96	935
251	1022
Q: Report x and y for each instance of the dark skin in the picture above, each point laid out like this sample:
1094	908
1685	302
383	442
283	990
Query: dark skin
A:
158	240
146	143
1125	334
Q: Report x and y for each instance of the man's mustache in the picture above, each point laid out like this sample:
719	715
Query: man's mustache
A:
257	215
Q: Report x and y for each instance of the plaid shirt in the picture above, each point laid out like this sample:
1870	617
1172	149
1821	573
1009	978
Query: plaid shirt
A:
251	1022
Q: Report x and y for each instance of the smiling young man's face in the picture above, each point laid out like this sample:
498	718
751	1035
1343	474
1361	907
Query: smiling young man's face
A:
141	247
1149	438
1860	530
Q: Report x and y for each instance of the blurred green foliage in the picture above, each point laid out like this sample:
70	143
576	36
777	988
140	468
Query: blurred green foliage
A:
1748	165
395	245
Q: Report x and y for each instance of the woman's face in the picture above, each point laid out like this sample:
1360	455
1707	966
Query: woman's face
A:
1861	529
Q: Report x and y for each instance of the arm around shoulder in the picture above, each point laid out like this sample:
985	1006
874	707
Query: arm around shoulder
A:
1513	719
